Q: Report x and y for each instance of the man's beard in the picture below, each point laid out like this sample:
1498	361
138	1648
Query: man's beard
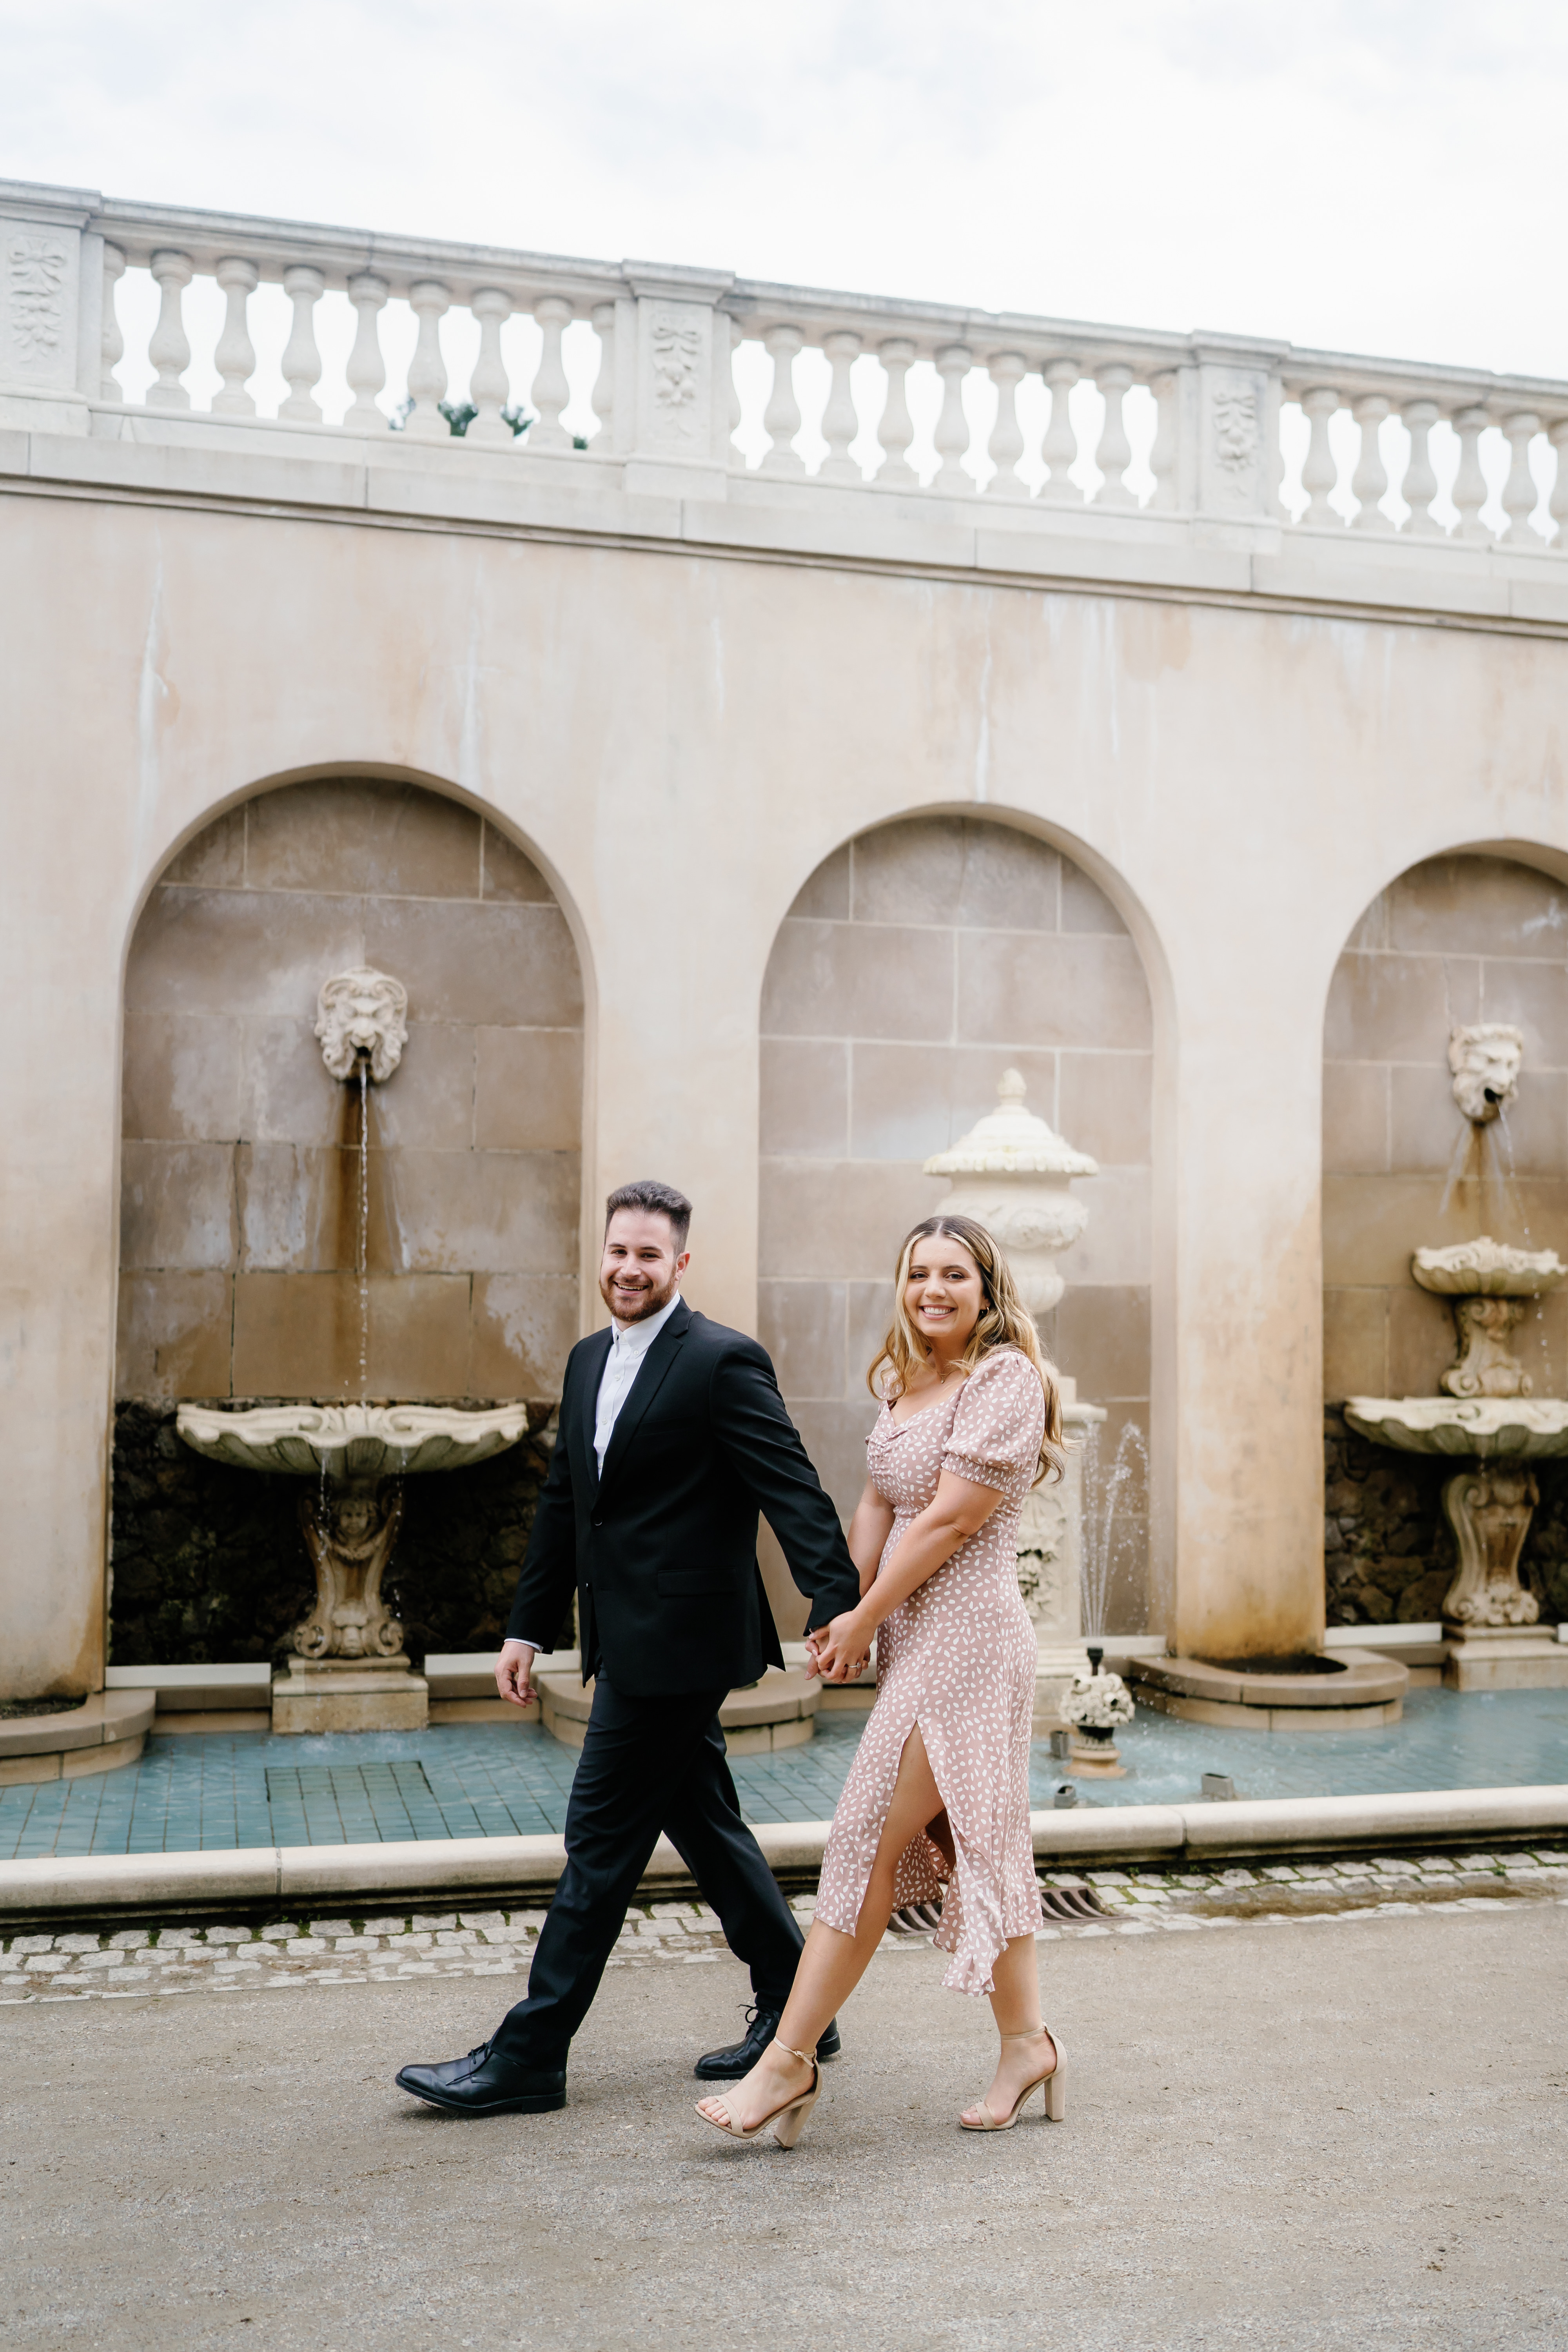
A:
648	1301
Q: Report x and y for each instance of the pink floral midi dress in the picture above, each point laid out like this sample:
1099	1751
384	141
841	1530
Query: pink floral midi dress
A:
957	1657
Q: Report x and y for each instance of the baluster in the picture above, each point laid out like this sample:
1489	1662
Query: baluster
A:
1318	471
367	368
1370	479
736	456
781	418
168	349
428	300
1059	448
1470	483
1114	454
235	358
113	341
895	428
300	365
839	422
487	387
1166	388
952	436
1005	446
1420	484
1558	436
549	390
1519	492
603	319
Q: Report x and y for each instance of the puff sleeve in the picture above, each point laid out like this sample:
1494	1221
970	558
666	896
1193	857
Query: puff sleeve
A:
998	1425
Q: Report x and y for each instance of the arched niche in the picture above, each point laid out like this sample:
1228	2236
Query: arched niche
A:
238	1233
239	1230
1472	936
918	962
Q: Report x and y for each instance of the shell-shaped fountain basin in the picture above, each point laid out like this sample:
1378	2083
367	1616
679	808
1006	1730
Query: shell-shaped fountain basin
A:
1487	1269
351	1441
1512	1428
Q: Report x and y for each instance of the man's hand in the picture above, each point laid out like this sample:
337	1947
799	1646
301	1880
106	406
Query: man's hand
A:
514	1673
840	1652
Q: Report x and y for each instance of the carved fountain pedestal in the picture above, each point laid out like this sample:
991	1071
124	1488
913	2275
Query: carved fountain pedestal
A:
347	1670
1486	1419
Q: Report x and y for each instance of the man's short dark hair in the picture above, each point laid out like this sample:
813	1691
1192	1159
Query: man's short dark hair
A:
658	1199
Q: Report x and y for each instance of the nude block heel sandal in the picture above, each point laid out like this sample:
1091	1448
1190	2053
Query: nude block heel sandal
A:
788	2120
1053	2085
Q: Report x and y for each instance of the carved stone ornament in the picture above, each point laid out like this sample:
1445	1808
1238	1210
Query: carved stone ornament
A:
1486	1284
351	1441
350	1540
363	1012
676	360
1011	1173
1489	1511
36	269
1236	428
1485	1059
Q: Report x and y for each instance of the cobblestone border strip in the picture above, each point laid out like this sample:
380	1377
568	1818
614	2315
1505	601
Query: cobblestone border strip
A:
131	1963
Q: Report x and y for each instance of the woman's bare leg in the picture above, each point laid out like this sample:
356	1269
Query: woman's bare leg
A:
832	1963
1015	2006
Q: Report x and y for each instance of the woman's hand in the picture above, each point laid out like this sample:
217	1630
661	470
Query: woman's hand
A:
839	1652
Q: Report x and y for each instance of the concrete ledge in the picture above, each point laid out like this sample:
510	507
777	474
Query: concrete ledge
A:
1363	1691
207	1689
439	1869
108	1717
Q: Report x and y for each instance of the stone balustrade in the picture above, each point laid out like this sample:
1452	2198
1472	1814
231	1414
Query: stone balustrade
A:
718	387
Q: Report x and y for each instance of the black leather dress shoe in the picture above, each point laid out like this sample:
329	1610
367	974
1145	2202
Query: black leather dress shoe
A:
762	2024
479	2084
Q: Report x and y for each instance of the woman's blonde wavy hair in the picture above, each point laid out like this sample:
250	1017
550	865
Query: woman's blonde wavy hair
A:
1004	1322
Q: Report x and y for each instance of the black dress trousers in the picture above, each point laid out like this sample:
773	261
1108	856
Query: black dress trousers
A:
647	1765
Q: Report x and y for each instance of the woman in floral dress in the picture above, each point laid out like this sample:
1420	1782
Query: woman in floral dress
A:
971	1417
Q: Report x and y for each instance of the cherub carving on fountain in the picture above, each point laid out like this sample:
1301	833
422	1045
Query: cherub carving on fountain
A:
350	1544
1485	1059
363	1012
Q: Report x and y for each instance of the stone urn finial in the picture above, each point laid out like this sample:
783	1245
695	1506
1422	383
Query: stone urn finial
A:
1011	1174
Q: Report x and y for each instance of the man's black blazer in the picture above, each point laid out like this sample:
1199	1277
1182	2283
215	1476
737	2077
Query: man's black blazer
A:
663	1548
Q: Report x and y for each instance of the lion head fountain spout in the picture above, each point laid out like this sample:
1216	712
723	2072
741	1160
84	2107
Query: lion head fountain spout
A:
362	1018
1484	1060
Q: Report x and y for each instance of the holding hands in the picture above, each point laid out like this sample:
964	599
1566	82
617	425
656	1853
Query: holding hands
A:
840	1652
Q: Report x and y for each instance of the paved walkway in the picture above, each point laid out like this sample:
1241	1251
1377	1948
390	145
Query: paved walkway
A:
1346	2136
502	1780
126	1963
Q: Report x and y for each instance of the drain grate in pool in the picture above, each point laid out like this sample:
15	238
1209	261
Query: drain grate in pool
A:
353	1787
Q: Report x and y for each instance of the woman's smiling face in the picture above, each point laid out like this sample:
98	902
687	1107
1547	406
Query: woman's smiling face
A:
943	1294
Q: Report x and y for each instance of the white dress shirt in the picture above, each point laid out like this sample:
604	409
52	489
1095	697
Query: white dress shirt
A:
630	1343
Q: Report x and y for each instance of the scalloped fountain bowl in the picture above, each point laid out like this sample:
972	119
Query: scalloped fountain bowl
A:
351	1442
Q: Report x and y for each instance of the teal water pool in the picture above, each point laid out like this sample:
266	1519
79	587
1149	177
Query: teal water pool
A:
503	1780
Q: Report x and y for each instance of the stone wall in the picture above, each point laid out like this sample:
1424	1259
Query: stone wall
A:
919	962
239	1169
208	1566
1388	1555
1455	939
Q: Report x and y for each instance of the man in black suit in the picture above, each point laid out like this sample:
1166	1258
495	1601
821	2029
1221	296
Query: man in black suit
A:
672	1436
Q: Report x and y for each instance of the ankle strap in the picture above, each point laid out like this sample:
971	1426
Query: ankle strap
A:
806	2057
1031	2034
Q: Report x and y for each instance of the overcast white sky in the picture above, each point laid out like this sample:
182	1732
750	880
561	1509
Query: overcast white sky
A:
1374	175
